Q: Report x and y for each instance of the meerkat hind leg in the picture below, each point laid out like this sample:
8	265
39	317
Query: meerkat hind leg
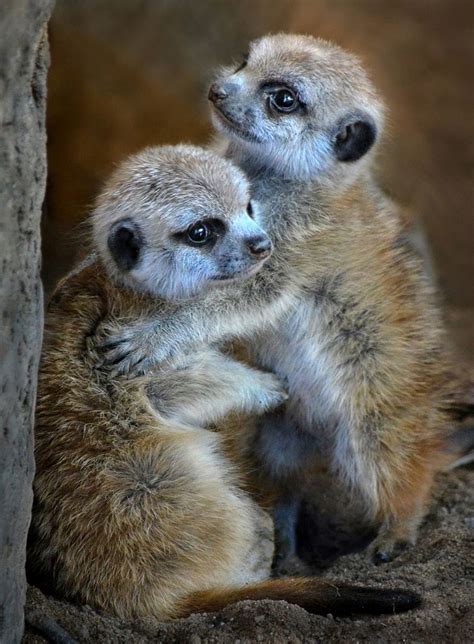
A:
281	448
385	548
286	560
394	537
399	529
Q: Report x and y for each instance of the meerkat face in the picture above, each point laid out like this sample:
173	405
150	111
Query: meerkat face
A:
299	105
174	221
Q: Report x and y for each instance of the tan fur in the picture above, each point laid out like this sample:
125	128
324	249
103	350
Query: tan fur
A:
134	510
387	374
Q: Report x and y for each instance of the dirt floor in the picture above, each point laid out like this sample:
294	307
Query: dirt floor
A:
441	568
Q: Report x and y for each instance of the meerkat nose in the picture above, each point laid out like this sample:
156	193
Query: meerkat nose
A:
219	91
260	247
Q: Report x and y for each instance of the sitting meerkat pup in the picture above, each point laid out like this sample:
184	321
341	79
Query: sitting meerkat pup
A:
137	511
361	349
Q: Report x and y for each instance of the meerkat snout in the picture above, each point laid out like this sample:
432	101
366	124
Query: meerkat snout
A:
174	221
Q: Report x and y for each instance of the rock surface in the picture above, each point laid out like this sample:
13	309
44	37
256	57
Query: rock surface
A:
23	66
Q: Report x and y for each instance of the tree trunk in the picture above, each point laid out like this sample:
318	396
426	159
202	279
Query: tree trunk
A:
23	67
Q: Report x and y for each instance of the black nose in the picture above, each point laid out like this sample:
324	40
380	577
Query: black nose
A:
259	247
221	90
217	92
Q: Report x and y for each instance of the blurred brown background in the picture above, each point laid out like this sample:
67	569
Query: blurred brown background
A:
130	73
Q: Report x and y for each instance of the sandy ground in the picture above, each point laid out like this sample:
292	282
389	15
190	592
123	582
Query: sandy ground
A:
441	568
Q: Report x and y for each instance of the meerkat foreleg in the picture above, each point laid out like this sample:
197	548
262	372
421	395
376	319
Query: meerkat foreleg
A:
203	387
151	340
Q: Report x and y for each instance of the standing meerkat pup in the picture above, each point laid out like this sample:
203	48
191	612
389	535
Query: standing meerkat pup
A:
137	511
362	352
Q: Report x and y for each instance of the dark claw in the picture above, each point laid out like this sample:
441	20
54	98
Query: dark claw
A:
116	360
133	368
109	346
381	557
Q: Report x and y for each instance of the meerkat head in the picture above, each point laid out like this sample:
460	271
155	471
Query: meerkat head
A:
299	106
173	221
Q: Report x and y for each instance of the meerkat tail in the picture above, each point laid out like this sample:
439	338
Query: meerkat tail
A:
314	595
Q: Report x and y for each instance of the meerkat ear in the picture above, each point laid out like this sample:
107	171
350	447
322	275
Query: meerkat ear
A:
354	137
125	242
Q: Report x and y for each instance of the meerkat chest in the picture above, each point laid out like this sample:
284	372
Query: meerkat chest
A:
298	351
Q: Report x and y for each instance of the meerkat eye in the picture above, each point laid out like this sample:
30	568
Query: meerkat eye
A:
284	100
199	233
250	212
243	64
203	233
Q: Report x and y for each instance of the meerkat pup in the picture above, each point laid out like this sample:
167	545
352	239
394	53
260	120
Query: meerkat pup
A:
137	511
362	351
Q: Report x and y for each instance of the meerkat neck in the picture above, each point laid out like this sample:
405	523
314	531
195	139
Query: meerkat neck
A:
258	169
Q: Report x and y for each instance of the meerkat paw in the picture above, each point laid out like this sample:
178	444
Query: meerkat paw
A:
387	547
129	350
271	392
290	566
